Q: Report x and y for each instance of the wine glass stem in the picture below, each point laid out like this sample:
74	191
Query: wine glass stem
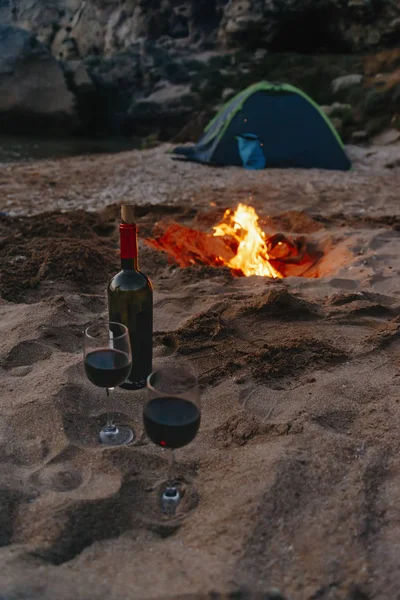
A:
171	467
110	420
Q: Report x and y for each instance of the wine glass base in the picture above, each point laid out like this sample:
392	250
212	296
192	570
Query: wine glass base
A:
133	385
170	499
123	435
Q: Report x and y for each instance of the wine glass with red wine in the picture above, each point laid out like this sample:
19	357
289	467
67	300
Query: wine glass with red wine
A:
171	417
108	362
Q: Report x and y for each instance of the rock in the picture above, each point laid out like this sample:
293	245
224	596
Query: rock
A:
64	46
124	69
228	93
307	25
240	19
169	95
43	19
359	136
260	54
156	64
80	78
373	38
164	110
346	81
338	124
394	26
106	27
132	49
336	108
193	129
391	136
33	90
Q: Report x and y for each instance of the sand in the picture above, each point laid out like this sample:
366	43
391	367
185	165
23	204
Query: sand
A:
292	484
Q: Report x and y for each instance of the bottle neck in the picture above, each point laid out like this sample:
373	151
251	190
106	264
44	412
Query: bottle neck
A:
129	247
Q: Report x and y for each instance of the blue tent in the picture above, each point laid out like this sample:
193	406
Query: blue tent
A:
270	125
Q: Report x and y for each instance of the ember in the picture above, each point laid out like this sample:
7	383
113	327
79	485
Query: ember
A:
238	242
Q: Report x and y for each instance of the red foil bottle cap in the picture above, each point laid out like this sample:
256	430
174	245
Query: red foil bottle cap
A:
128	236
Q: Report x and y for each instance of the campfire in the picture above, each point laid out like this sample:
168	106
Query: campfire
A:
239	243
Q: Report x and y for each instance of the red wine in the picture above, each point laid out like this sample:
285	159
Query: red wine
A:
130	301
107	367
171	422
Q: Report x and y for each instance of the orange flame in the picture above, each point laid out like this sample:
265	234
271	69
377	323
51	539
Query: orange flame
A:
239	243
252	256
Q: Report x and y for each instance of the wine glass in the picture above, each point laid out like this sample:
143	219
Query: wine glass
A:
171	417
108	362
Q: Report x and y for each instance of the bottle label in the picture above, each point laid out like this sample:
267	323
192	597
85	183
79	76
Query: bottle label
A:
128	236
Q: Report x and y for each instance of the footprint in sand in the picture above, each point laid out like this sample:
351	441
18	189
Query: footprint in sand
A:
21	371
82	410
9	504
55	478
67	339
339	421
30	434
61	531
27	353
24	451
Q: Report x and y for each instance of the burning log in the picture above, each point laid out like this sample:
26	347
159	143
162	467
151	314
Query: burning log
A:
239	243
191	247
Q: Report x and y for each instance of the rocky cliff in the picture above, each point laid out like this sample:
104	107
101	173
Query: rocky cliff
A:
33	90
81	27
145	66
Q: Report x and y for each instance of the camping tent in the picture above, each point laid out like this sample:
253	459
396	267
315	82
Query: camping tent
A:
289	129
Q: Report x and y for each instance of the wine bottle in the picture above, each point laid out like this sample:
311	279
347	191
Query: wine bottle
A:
130	301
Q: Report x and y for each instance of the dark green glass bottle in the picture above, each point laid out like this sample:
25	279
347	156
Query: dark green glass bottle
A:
130	301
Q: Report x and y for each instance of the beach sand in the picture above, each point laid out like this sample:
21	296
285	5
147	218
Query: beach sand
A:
293	481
